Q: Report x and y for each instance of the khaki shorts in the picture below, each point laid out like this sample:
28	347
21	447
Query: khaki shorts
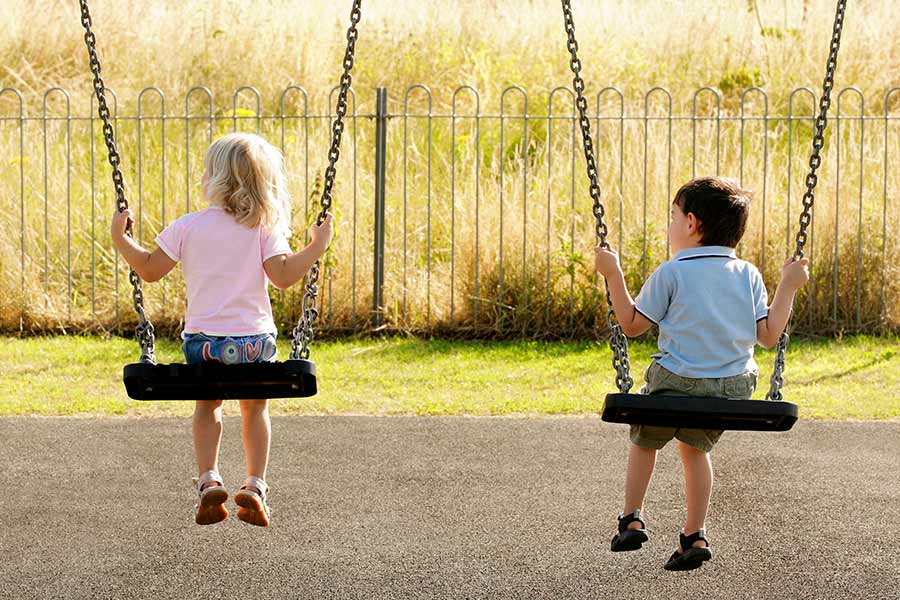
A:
663	381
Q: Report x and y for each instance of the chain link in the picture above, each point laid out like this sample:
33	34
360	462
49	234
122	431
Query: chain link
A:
617	340
815	161
303	332
144	329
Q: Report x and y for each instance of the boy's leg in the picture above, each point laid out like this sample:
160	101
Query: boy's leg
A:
207	434
641	462
256	430
698	481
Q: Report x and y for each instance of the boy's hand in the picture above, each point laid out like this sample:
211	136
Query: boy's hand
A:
120	222
321	234
606	261
795	273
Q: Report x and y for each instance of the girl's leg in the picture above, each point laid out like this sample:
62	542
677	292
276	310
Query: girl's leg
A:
641	462
256	430
698	481
207	434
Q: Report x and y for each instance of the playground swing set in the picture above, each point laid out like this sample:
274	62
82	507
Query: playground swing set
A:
296	377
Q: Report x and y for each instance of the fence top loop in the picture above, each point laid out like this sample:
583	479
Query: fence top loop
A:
246	88
757	90
198	88
155	90
115	102
410	90
21	98
852	90
294	88
887	100
657	89
560	89
514	88
716	94
611	89
65	96
234	105
474	92
350	92
801	90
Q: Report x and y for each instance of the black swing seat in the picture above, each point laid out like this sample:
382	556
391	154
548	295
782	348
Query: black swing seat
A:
699	412
218	381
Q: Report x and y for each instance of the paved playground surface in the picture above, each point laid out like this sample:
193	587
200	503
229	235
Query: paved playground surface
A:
367	507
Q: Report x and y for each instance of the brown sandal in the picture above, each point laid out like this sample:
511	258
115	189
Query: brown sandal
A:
213	495
251	499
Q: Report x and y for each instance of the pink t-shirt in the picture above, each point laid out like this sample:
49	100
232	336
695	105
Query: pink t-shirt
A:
222	262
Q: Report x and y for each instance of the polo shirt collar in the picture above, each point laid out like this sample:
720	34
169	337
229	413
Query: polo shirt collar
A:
706	251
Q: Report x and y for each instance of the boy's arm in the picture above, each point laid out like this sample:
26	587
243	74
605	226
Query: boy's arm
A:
794	275
285	270
150	266
633	322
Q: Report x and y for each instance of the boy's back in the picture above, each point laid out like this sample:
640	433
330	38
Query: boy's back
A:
707	303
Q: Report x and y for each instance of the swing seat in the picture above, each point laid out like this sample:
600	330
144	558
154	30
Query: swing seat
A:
217	381
699	412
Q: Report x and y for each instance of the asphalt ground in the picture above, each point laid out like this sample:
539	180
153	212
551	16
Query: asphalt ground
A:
455	507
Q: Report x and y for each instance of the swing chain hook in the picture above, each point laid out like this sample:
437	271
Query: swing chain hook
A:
618	342
303	332
144	329
815	161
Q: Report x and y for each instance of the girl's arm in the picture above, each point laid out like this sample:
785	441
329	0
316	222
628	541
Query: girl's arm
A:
285	270
150	266
607	264
794	275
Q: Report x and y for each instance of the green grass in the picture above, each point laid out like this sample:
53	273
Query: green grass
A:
853	378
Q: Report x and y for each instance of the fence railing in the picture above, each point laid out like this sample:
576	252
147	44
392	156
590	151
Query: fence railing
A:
455	213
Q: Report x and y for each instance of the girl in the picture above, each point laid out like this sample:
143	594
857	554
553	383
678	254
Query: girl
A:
229	252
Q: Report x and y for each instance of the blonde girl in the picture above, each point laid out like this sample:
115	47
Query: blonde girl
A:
229	252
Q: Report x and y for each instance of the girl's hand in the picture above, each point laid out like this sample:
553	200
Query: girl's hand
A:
795	273
321	234
120	222
606	261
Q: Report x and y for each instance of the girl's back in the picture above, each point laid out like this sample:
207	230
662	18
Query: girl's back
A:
222	261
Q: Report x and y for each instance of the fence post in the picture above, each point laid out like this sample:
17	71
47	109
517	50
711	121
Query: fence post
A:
380	159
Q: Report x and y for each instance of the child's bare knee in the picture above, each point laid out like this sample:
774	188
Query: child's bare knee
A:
643	449
254	406
208	405
691	451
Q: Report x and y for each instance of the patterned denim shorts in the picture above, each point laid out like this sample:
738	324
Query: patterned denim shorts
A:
199	347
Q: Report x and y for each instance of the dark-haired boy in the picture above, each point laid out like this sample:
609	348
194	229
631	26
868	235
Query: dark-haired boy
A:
711	310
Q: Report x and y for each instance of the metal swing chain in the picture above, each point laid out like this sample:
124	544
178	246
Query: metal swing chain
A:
303	332
617	340
815	160
144	329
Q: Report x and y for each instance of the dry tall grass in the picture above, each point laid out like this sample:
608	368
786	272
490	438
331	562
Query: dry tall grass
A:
490	45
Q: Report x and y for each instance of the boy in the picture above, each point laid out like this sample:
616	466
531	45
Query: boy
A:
711	310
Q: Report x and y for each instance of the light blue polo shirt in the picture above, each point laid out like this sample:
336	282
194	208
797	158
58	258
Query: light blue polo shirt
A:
706	302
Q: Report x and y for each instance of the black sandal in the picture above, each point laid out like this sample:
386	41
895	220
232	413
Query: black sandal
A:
689	558
629	539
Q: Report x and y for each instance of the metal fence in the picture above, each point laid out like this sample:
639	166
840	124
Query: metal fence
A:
454	215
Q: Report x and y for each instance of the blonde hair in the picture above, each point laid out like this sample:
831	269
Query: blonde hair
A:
245	176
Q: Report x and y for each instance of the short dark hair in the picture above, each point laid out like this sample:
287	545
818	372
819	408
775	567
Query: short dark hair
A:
720	205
